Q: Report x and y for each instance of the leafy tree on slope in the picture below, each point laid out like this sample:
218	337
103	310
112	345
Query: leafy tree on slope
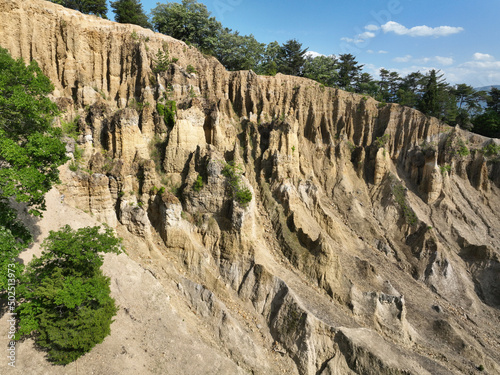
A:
130	11
97	7
66	298
189	22
30	152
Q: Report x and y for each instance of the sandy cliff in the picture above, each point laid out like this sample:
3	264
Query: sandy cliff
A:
371	244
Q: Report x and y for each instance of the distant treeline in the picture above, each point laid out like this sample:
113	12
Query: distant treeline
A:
192	23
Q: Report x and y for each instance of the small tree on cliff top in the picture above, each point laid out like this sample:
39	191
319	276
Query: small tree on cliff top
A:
97	7
130	11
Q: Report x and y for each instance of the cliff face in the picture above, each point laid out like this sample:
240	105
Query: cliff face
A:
371	243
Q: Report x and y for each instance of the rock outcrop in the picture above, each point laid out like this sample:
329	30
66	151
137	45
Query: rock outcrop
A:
371	241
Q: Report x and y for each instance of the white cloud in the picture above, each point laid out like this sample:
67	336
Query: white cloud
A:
483	57
352	40
444	60
380	51
362	37
475	73
403	59
313	54
372	27
399	29
366	35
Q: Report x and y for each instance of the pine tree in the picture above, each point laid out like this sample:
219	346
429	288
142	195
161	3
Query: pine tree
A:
291	58
349	71
130	11
430	103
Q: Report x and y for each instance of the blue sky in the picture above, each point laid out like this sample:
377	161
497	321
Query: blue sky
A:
459	37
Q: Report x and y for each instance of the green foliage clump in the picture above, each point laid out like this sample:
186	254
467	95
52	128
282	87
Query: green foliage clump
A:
67	306
382	141
30	153
97	7
191	69
398	191
198	184
491	149
168	111
30	148
240	193
70	129
130	11
445	169
462	148
14	238
157	147
189	21
162	61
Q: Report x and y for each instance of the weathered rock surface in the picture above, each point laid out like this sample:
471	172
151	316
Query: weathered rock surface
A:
371	244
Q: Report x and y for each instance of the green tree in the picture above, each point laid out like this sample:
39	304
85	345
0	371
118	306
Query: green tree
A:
238	52
270	59
488	123
366	85
189	22
322	69
349	71
410	89
97	7
30	152
30	148
468	102
14	238
432	96
66	298
291	58
130	11
494	100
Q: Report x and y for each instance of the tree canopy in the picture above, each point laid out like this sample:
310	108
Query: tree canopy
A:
130	11
189	22
30	148
30	152
67	303
97	7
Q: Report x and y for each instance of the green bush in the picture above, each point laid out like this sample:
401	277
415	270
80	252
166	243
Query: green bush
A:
382	141
445	169
491	149
240	193
198	184
168	111
243	196
398	191
162	61
191	69
70	129
66	299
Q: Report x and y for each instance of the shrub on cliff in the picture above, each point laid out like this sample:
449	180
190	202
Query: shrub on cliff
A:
239	191
65	297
